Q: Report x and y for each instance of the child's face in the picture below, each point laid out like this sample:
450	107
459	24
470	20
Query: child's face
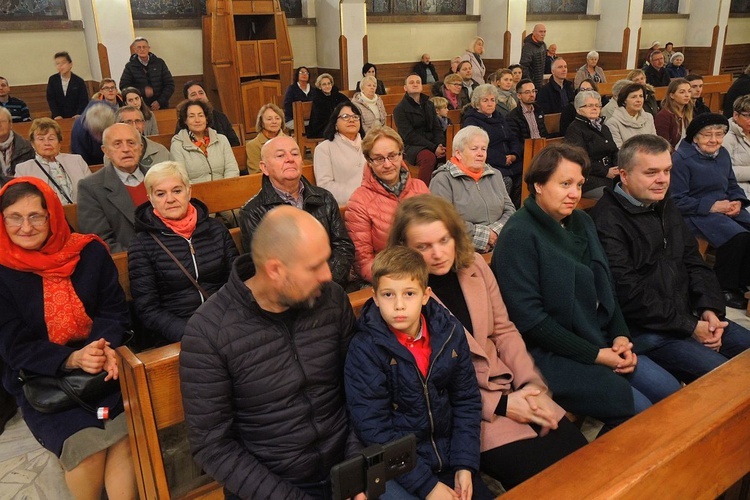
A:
442	112
400	301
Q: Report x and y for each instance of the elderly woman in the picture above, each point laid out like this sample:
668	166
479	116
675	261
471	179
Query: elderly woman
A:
385	183
339	162
513	447
370	69
590	70
369	103
174	228
507	99
132	97
206	154
556	282
269	124
610	106
676	112
737	142
300	90
454	66
40	260
629	119
14	149
453	90
650	105
86	136
675	67
474	55
326	97
476	189
504	151
569	113
61	171
590	133
705	191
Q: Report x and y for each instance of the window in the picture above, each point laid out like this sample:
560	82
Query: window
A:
739	7
407	7
167	9
50	9
660	6
556	7
292	8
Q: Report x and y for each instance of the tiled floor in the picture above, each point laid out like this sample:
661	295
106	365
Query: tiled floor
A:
28	472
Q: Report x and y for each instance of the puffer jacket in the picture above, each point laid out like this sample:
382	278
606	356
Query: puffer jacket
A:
369	215
163	296
388	397
155	75
738	145
623	126
317	202
219	164
600	147
264	406
533	54
502	140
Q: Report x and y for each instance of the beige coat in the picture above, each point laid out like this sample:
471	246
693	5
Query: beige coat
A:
623	126
738	145
74	166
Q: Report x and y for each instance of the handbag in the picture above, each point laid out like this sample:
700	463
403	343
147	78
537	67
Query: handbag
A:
53	394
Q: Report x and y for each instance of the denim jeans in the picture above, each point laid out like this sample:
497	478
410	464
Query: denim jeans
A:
651	383
686	358
394	491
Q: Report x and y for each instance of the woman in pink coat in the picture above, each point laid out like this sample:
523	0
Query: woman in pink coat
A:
523	429
385	183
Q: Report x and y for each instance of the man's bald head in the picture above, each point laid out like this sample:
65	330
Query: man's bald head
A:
282	233
540	31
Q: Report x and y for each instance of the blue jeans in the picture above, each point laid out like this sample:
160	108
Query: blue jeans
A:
394	491
651	383
688	359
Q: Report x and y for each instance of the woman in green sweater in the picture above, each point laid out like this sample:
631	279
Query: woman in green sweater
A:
554	276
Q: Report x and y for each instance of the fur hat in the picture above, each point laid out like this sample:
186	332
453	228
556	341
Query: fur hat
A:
702	121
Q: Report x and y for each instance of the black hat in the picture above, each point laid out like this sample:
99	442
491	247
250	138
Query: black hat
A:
702	121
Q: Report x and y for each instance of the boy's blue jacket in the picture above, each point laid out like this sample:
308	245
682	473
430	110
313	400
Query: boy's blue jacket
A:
388	397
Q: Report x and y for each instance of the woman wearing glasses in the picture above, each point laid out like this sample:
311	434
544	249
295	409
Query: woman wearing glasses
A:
338	161
63	309
589	132
372	206
297	91
453	90
61	171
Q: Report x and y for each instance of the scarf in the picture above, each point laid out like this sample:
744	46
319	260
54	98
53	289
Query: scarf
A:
6	153
508	98
356	143
452	98
202	143
463	168
372	104
64	313
597	123
185	226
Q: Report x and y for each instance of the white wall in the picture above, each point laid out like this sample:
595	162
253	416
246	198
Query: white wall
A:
664	30
181	49
738	30
327	33
390	43
570	36
303	46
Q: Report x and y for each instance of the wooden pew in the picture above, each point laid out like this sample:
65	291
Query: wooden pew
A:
163	139
694	444
552	123
301	114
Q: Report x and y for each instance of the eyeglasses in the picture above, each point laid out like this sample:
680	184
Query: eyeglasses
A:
109	88
380	160
709	136
349	118
744	115
455	83
304	72
133	122
527	92
591	106
36	220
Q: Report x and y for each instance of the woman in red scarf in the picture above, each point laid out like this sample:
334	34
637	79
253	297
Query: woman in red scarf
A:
63	309
163	295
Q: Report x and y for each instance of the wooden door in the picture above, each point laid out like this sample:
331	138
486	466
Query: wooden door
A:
269	57
248	58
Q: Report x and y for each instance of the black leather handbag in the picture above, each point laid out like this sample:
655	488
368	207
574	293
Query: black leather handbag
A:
50	394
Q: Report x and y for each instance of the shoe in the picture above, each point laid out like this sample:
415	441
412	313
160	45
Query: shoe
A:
734	299
7	412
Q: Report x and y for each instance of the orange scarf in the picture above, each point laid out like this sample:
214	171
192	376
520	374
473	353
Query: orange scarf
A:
64	313
202	143
183	227
474	175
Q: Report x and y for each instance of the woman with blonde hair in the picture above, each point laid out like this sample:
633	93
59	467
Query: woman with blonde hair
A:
676	112
269	124
369	103
474	55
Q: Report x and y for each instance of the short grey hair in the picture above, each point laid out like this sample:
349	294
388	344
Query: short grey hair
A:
581	97
592	54
619	85
163	170
368	79
481	92
466	134
321	77
98	117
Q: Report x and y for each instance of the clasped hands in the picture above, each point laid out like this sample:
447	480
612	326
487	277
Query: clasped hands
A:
94	358
620	357
709	330
726	207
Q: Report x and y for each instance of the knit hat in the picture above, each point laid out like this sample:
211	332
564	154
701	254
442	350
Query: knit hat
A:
655	42
677	55
702	121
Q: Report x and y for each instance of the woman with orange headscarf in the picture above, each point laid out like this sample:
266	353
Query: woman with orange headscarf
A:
63	310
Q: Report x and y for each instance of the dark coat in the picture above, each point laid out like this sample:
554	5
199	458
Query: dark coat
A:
676	71
503	141
462	98
317	202
660	276
163	296
322	108
656	77
600	146
82	142
155	75
697	183
22	151
699	107
567	116
418	126
388	397
520	127
24	341
18	109
421	69
532	59
650	104
549	97
740	87
293	94
264	406
71	103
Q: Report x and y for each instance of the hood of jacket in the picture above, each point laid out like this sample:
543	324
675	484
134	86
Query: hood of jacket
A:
147	221
636	122
530	39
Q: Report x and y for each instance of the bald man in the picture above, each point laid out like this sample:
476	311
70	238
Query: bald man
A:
261	367
533	54
283	183
107	199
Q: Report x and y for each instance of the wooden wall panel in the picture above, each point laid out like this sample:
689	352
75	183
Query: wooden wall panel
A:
735	58
698	59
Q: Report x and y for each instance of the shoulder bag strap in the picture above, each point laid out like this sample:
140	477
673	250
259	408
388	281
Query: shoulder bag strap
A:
57	186
182	268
